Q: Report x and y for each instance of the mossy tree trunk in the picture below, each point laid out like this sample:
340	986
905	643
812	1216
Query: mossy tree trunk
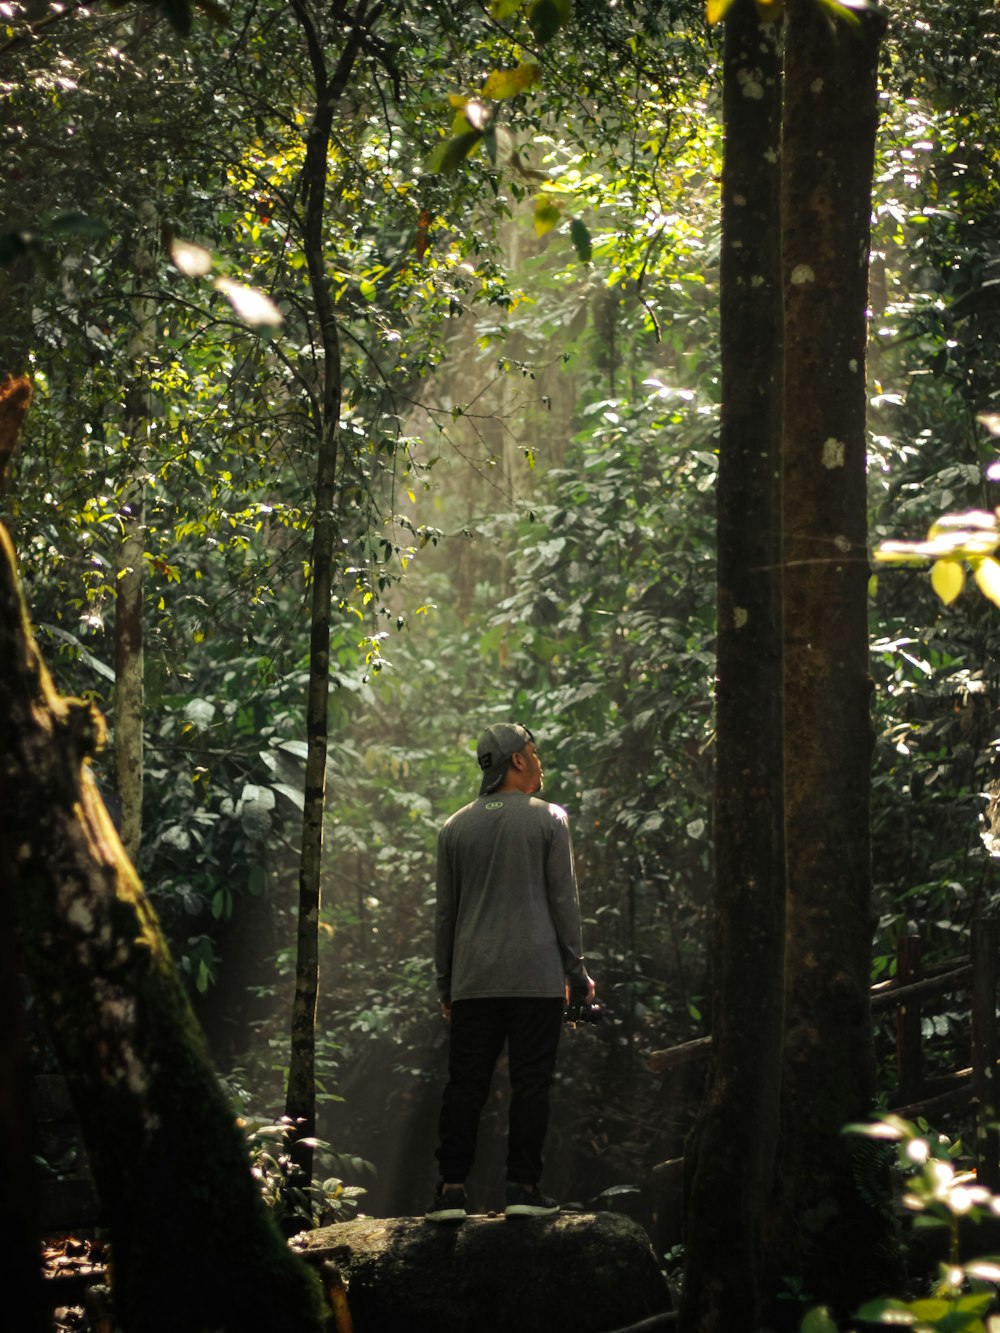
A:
729	1164
830	1235
194	1246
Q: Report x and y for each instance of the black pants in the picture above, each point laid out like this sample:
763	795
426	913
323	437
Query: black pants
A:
479	1028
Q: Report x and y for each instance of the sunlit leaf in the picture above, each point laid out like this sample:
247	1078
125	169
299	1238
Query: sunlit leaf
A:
192	260
478	115
716	10
818	1321
987	576
947	579
979	520
580	237
250	304
449	153
503	9
991	420
504	83
901	553
886	1312
891	1127
986	1269
547	214
846	10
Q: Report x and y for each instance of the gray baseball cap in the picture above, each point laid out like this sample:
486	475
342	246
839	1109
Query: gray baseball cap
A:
496	745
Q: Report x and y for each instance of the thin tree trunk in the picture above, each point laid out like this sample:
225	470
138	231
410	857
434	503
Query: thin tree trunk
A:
730	1161
300	1099
834	1237
129	642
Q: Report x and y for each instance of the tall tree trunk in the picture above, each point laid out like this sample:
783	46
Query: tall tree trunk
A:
300	1099
729	1164
833	1236
129	641
170	1164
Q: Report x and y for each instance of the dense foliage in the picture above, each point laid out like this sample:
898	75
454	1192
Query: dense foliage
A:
525	511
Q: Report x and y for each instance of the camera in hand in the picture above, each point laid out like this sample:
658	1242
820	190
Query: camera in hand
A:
582	1010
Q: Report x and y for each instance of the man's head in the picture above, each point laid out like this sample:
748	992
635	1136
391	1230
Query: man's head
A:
509	760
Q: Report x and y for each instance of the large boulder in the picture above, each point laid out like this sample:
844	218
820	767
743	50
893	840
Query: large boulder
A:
575	1273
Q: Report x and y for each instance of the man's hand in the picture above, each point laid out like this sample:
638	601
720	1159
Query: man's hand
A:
445	1008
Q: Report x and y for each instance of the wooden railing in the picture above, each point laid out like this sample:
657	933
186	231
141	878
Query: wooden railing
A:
908	993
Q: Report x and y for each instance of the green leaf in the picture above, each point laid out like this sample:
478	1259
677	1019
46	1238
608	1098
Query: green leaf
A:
874	1312
78	224
818	1321
580	237
449	153
503	9
546	17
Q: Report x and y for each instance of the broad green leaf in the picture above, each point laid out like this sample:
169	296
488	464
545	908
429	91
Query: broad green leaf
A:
546	17
503	9
250	304
947	579
547	214
449	153
580	237
987	576
886	1311
504	83
78	224
818	1321
716	10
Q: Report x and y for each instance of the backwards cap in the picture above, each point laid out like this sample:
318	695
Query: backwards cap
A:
496	745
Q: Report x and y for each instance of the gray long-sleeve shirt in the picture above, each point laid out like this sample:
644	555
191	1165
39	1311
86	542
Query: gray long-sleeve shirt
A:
508	913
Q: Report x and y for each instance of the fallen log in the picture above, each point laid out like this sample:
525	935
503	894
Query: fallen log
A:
575	1273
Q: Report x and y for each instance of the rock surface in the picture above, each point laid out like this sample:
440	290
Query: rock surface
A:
575	1273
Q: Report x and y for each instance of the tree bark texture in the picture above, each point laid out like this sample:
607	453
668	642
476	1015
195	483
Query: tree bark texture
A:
833	1237
587	1272
729	1163
169	1161
300	1098
130	656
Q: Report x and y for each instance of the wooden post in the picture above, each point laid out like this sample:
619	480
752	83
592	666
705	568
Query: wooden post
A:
985	940
909	1059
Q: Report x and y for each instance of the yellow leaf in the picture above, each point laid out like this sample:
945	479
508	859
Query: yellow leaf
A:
947	579
503	83
716	10
987	574
547	214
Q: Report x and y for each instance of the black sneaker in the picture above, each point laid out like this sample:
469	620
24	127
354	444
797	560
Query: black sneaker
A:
525	1202
448	1206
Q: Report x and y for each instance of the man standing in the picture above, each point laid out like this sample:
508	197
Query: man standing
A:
508	944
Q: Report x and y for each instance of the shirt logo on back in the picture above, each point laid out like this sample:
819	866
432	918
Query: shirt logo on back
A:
494	805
